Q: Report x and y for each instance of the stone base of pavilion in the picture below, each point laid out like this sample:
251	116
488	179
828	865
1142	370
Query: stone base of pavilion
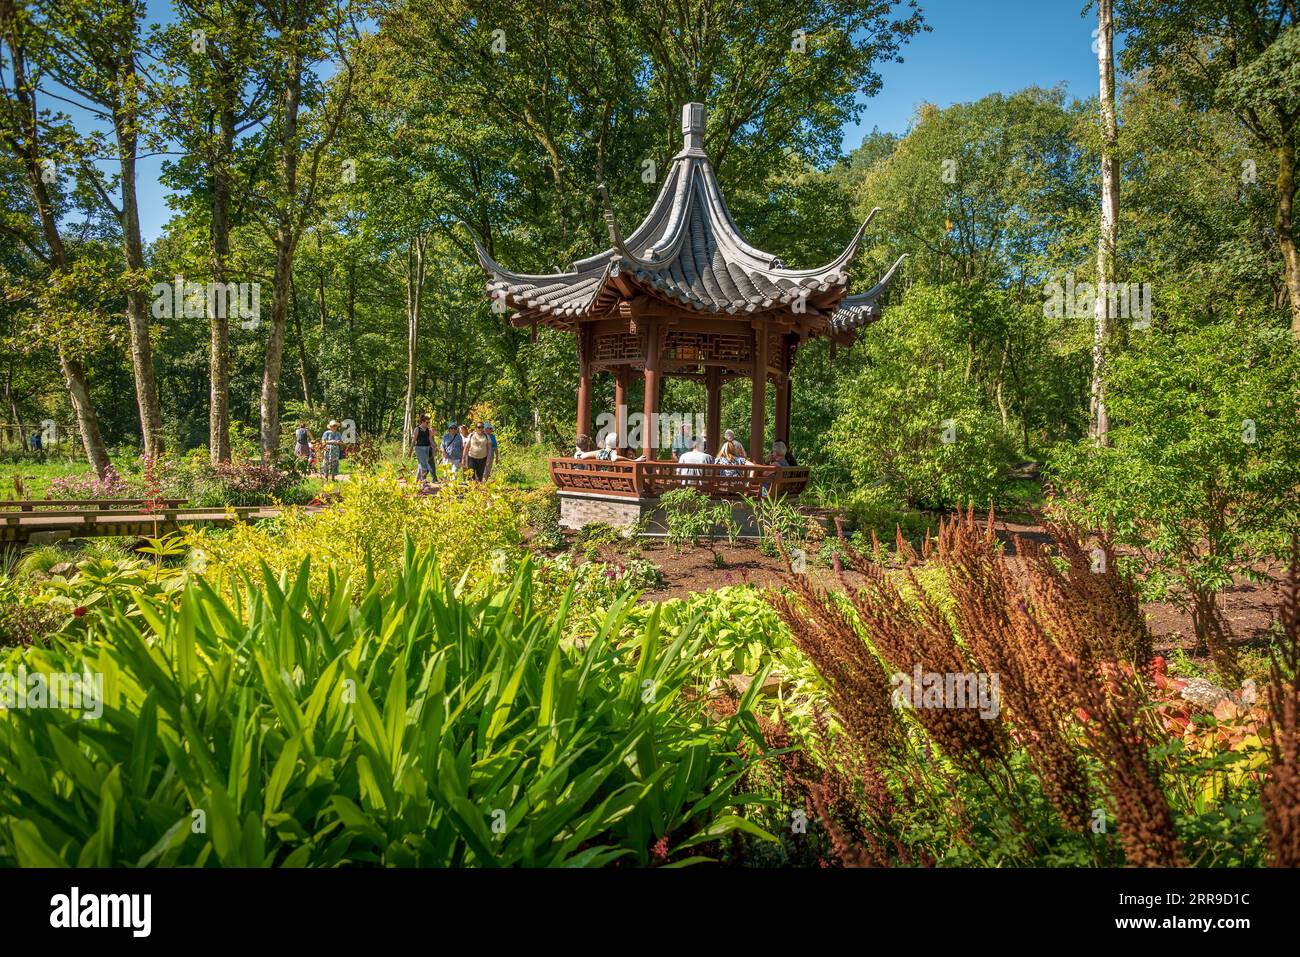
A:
622	494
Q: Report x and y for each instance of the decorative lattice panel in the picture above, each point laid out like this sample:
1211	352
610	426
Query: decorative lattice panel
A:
617	347
776	350
715	347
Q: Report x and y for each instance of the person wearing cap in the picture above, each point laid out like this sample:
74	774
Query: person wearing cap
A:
492	453
452	447
477	449
730	436
332	439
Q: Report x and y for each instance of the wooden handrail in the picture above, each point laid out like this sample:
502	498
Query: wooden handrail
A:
30	504
92	515
650	479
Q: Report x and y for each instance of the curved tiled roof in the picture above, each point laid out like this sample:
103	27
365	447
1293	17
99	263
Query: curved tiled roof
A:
863	308
688	251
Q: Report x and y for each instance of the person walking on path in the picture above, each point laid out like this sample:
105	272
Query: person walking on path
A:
477	449
422	447
452	448
333	442
302	442
492	454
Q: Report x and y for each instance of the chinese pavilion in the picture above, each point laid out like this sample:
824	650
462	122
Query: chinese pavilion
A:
685	295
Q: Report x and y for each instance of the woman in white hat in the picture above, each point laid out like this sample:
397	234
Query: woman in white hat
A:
333	441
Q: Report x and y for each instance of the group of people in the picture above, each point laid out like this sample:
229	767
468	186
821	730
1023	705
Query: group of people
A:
460	448
687	449
331	442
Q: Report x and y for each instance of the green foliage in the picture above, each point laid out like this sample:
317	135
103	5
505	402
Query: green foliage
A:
414	725
470	526
745	638
1203	473
594	536
781	524
688	516
525	465
542	514
875	508
911	420
24	621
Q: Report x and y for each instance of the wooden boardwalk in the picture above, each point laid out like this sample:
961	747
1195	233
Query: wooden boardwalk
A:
50	520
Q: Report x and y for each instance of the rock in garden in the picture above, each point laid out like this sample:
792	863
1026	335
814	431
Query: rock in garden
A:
1202	693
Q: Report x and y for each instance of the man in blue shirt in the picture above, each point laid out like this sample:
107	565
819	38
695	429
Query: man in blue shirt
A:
452	447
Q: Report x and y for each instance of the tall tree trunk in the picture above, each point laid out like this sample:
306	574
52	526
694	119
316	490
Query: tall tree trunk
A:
270	399
414	295
320	279
26	145
285	240
1286	190
304	381
125	122
219	322
1109	233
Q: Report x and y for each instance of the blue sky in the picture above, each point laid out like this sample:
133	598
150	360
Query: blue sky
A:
976	47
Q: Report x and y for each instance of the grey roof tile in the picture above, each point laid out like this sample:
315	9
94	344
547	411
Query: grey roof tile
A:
688	249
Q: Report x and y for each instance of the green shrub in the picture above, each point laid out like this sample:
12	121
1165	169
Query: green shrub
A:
24	621
471	526
541	508
414	726
688	515
912	418
1202	477
527	466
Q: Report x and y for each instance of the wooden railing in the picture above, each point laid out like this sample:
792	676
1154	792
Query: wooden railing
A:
32	504
652	479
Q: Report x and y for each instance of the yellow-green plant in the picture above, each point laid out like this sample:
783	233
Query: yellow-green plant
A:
474	529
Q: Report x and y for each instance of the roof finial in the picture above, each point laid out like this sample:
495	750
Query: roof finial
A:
693	125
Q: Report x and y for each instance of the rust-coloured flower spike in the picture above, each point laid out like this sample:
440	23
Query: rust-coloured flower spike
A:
1006	640
1280	795
1064	642
858	687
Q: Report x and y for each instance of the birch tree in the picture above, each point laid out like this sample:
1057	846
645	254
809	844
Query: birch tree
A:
1108	235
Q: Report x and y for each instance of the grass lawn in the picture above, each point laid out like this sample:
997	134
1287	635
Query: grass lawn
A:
34	476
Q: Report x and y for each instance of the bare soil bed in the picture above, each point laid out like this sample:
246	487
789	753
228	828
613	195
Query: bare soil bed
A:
1249	608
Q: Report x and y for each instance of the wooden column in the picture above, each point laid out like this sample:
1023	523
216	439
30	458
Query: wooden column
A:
650	407
781	427
758	403
584	382
620	402
713	408
791	346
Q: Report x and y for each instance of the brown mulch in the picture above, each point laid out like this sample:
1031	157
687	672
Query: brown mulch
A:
1249	608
